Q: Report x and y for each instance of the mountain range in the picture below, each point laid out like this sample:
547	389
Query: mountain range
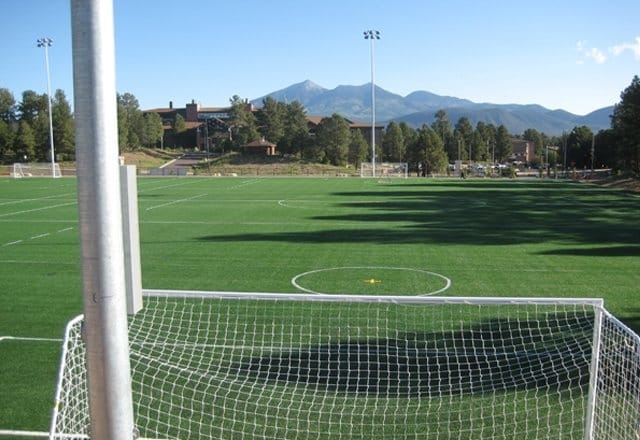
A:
418	108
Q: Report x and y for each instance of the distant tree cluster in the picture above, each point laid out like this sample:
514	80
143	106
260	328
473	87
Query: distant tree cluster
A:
135	128
24	127
24	135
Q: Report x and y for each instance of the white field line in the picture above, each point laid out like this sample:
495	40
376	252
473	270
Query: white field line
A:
13	202
36	237
44	263
187	199
11	243
24	220
29	339
22	434
155	188
7	214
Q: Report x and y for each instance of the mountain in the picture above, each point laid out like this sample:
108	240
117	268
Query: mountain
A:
419	107
303	92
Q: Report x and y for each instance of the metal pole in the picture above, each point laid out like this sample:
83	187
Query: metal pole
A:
564	147
46	43
100	218
373	35
593	151
373	113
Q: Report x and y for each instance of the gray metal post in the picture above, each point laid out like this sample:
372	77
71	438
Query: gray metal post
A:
132	269
100	216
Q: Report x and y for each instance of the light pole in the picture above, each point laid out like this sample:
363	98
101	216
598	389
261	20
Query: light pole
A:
373	35
46	43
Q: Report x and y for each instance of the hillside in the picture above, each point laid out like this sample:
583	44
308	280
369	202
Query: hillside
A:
419	107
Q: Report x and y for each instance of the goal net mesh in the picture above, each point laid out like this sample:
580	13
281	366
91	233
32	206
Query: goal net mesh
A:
384	169
36	170
269	366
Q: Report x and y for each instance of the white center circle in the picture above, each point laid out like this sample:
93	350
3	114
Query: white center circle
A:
296	284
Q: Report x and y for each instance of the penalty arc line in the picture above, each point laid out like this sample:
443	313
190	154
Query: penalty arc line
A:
294	280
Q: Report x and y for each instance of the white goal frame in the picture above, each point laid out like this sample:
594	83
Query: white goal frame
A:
604	400
34	169
385	169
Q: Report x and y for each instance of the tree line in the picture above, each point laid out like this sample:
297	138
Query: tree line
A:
24	135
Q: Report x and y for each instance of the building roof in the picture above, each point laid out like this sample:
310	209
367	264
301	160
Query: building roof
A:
260	143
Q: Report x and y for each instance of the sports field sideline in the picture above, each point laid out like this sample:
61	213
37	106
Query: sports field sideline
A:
362	236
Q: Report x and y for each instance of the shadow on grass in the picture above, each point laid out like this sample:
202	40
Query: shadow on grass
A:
481	213
512	356
607	251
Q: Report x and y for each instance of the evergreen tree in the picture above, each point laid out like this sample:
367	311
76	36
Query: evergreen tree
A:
579	144
504	146
428	151
63	133
7	153
626	127
24	144
7	106
393	144
242	122
358	149
333	138
463	134
271	119
296	135
153	130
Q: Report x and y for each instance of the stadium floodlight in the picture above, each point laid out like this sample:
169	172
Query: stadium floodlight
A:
373	35
47	42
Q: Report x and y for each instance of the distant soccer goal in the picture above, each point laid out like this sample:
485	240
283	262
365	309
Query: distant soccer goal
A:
35	170
250	365
385	169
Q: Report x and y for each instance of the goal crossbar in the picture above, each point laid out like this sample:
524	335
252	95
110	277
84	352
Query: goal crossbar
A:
282	365
396	299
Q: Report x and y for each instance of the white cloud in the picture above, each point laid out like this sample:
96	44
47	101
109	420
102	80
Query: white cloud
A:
593	53
634	48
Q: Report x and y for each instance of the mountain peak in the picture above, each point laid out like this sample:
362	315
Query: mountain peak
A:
310	85
419	107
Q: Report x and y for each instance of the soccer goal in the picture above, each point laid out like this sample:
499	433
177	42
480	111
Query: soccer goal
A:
385	169
36	170
250	365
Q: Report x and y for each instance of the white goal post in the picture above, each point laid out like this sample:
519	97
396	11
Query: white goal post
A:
35	170
231	365
385	169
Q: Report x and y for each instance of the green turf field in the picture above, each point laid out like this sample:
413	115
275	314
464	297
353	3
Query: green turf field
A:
362	236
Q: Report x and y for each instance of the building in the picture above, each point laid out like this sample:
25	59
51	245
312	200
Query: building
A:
195	118
204	125
522	151
261	147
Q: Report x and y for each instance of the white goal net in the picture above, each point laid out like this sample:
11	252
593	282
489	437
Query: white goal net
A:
233	365
36	170
384	169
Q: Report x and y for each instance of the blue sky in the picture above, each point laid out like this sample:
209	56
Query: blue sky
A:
578	55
